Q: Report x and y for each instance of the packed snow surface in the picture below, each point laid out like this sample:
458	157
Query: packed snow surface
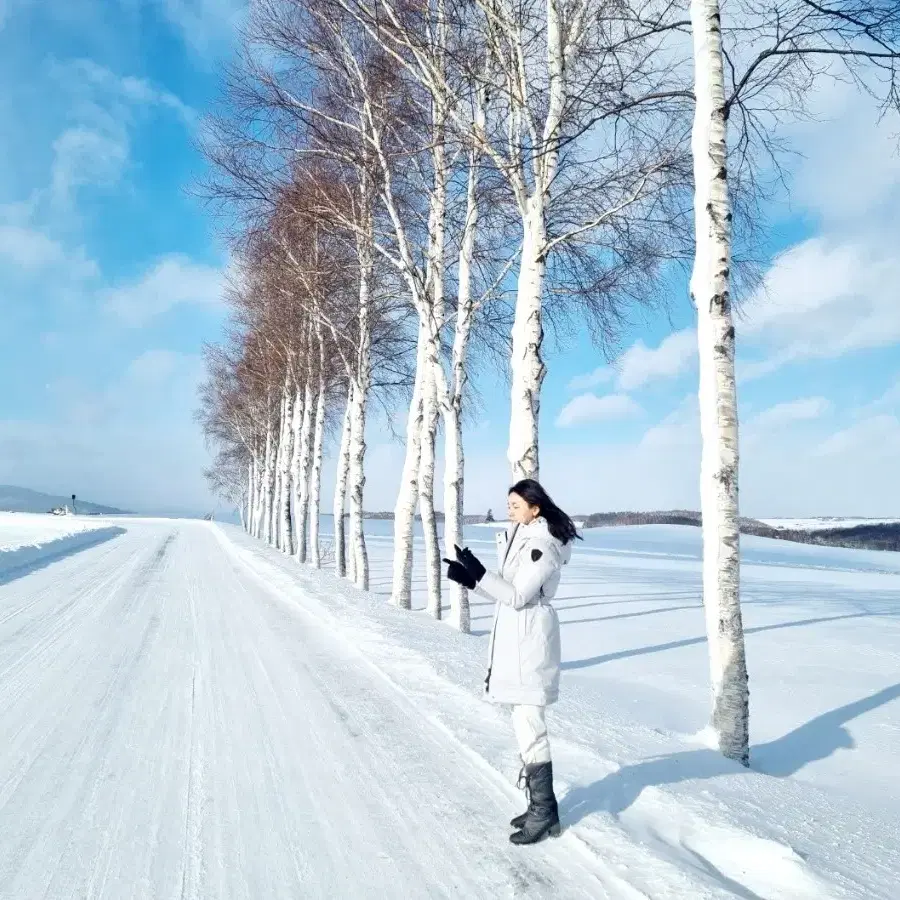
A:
186	713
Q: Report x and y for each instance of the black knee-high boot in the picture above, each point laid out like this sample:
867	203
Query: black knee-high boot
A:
542	817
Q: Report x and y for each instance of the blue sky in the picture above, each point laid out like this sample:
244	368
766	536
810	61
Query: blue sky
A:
111	280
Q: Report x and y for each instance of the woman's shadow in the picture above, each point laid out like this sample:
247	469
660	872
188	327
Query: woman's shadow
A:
815	740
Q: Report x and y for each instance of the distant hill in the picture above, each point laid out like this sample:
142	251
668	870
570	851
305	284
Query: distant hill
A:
18	499
874	535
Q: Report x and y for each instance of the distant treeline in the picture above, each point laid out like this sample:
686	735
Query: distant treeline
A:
878	536
669	517
389	517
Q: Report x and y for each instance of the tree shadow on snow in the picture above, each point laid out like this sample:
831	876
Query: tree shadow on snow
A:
689	642
814	741
817	739
629	615
620	789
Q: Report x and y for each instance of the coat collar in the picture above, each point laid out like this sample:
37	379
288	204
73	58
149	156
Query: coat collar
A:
536	530
521	534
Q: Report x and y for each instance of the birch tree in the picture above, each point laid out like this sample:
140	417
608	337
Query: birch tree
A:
718	395
758	73
556	74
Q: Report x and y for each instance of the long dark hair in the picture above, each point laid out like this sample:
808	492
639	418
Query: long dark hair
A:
559	524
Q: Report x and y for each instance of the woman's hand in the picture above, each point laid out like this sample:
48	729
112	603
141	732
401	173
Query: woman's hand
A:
471	562
457	572
466	569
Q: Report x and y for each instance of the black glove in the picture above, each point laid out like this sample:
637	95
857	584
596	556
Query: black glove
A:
471	562
457	572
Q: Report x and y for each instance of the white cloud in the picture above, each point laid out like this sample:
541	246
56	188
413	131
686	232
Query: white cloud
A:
173	281
782	414
132	442
822	299
205	25
30	249
890	399
97	79
154	367
851	169
602	375
879	435
591	408
40	273
680	429
641	364
103	108
85	156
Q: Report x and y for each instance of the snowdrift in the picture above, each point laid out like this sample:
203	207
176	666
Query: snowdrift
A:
29	541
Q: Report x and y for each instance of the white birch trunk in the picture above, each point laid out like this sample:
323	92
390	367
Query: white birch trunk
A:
405	508
454	493
296	446
527	337
340	491
284	498
359	555
302	517
315	490
252	492
245	508
273	486
256	520
452	407
259	514
361	386
718	395
267	486
426	480
276	494
433	381
351	552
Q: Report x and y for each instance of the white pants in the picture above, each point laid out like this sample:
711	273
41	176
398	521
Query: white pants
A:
531	734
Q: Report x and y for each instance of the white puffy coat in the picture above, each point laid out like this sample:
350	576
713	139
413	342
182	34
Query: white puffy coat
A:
524	654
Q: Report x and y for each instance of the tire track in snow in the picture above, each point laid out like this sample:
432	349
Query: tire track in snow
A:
81	666
97	746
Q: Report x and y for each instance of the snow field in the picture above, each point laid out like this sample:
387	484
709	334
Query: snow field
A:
815	817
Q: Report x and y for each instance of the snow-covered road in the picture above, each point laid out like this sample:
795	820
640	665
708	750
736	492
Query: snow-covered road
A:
172	728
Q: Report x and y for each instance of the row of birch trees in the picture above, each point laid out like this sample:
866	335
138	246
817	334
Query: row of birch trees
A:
414	187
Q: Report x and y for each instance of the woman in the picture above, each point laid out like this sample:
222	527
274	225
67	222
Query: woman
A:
524	655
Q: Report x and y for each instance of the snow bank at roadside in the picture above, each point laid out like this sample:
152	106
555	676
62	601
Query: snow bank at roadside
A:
670	817
29	539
